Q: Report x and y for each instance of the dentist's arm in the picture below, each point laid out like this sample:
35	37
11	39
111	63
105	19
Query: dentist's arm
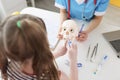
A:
63	17
94	23
91	26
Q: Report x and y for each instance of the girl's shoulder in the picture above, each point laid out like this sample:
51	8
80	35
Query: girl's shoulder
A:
14	72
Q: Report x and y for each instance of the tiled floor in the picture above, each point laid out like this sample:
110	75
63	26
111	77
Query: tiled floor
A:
112	15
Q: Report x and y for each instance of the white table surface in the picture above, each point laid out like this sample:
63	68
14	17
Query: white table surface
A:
110	69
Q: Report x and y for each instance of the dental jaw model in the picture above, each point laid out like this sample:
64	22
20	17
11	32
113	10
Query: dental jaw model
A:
69	30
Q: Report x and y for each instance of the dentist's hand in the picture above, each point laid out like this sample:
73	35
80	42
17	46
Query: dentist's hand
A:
83	36
60	36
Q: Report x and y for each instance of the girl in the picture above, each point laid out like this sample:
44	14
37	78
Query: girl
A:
26	54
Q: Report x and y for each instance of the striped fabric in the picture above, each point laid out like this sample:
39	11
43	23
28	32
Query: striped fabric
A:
14	73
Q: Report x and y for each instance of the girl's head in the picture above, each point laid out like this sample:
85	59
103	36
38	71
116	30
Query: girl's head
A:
24	37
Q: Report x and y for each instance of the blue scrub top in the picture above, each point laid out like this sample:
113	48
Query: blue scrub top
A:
77	10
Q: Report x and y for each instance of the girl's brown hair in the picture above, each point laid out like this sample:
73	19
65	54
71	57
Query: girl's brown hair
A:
28	40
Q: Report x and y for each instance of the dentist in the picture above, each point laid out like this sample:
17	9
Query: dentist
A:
91	11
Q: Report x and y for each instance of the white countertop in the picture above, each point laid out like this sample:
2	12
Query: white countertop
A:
110	69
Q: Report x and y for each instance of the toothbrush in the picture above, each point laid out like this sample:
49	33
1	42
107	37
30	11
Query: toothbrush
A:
81	29
101	63
69	43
